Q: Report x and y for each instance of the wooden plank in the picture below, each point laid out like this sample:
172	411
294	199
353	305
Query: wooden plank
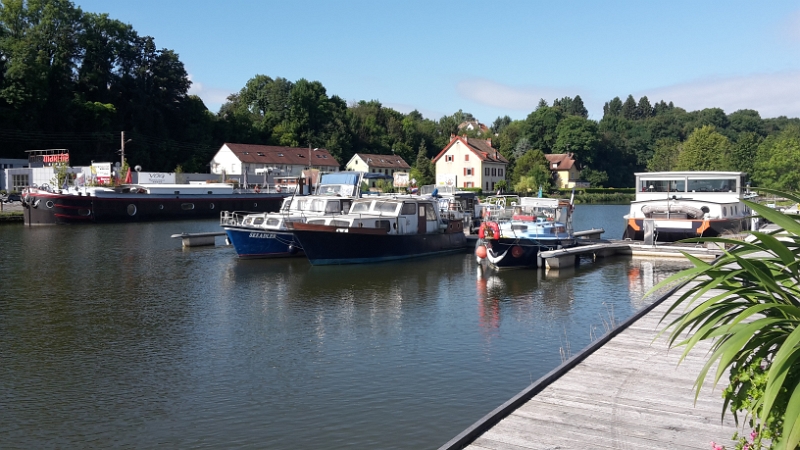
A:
630	392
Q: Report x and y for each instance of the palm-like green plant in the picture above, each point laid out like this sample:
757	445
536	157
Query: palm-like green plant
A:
748	303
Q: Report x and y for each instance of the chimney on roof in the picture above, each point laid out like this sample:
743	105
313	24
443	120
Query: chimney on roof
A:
452	137
489	142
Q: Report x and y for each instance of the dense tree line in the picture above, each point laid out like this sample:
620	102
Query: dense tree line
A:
73	79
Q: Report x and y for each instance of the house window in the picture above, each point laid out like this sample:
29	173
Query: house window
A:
469	184
486	171
466	157
19	182
468	171
487	185
448	158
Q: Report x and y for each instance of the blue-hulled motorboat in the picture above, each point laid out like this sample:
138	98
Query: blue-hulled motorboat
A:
513	233
266	235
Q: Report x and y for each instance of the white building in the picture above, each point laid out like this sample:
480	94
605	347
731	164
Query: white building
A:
382	164
470	163
7	181
265	162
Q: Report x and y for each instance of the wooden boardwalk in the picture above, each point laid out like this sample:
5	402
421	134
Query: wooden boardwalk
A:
625	391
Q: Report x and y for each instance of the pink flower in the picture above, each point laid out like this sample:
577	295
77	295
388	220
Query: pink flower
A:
753	435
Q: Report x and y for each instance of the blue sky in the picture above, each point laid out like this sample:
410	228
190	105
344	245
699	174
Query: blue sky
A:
490	59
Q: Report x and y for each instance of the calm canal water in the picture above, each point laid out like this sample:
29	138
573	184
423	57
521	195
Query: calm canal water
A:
115	336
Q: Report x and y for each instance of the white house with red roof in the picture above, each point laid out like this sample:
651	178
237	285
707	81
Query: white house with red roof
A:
470	163
261	162
383	164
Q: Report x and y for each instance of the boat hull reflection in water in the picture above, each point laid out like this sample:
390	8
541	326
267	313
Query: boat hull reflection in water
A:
125	339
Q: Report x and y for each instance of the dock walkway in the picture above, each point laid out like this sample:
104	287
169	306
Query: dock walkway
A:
625	391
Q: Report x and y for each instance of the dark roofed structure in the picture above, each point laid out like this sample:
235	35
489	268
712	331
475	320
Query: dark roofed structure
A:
384	161
273	155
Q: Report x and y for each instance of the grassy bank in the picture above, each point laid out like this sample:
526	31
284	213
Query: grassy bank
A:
11	217
616	198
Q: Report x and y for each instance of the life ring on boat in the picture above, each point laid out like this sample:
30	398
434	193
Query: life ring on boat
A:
257	189
489	230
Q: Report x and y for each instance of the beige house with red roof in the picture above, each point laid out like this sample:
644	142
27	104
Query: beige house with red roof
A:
270	161
565	171
383	164
470	163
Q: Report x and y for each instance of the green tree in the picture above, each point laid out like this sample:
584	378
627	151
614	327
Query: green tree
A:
612	108
643	108
534	166
746	120
745	150
500	123
522	147
597	178
629	108
777	163
665	156
423	170
308	111
541	127
705	149
577	135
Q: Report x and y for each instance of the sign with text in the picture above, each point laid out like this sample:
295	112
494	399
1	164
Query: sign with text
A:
401	179
102	172
156	178
49	160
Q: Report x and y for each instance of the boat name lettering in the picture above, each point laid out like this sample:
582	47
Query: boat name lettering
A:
342	230
262	235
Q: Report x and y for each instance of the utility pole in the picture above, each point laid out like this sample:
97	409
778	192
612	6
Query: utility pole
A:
122	150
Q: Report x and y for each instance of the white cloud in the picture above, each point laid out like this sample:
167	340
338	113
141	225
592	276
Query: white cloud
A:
498	95
213	97
772	95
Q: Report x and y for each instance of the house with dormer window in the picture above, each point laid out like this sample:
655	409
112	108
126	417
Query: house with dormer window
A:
565	170
259	161
381	164
470	163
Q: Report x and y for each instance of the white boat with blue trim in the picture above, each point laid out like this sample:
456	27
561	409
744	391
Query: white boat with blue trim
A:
267	235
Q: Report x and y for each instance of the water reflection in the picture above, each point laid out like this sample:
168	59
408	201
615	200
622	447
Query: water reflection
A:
116	336
645	272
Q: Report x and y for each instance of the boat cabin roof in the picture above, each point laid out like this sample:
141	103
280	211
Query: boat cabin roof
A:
692	175
536	202
203	188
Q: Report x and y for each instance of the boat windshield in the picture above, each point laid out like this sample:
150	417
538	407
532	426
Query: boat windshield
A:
662	185
386	206
723	185
361	206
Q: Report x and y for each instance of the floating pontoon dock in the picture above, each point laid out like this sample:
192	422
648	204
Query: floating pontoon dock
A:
198	239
